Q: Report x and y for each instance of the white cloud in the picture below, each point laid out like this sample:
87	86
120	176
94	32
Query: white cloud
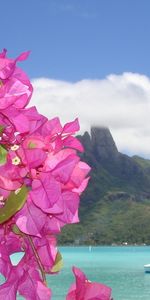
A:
120	102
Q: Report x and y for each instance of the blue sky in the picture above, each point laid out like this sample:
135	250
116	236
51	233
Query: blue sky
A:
75	39
89	59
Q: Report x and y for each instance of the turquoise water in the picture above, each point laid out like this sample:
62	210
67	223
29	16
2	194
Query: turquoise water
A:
119	267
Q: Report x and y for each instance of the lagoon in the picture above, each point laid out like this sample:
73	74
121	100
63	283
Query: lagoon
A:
119	267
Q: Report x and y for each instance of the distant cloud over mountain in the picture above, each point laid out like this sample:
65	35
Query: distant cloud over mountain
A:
120	102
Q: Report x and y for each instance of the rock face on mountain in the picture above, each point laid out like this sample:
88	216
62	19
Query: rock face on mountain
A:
112	169
103	144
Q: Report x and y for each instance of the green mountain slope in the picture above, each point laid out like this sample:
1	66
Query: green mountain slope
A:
115	208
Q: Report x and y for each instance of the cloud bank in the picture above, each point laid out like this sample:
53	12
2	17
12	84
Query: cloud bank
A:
120	102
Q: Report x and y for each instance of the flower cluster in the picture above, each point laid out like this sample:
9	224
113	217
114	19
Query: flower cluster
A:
41	179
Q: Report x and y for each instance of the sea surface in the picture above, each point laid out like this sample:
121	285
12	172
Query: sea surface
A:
118	267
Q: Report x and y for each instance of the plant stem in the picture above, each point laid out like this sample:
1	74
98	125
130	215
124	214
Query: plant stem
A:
37	259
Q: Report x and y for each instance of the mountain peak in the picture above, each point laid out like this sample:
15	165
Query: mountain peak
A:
103	143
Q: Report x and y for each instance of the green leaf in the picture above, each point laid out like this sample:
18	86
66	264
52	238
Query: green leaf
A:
3	155
58	263
13	204
1	128
16	230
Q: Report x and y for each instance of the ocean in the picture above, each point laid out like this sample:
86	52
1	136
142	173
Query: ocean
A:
118	267
121	268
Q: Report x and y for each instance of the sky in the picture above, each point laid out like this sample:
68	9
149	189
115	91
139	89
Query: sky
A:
89	59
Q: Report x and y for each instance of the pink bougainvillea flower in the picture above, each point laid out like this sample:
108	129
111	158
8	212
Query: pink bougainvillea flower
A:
82	186
8	290
47	251
17	119
69	215
5	263
30	219
3	53
9	244
25	281
15	87
17	123
34	141
32	158
63	136
79	173
53	159
83	289
8	184
46	193
52	224
31	287
72	142
25	277
10	174
70	210
36	120
52	127
64	169
7	65
71	127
